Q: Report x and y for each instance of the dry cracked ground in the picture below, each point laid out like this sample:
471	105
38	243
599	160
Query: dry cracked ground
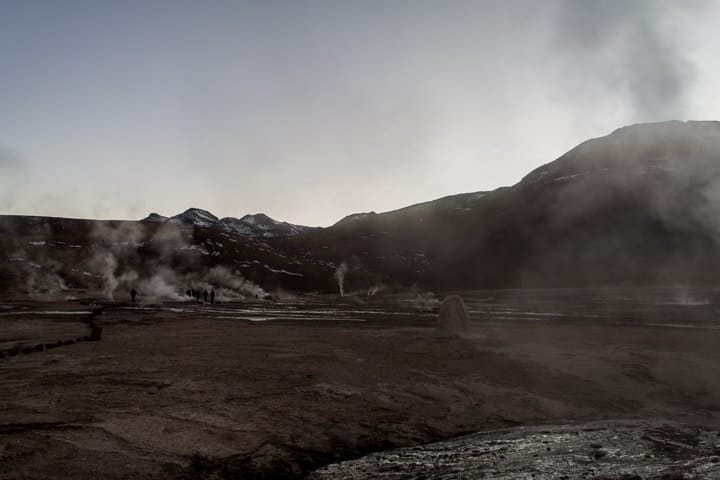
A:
278	390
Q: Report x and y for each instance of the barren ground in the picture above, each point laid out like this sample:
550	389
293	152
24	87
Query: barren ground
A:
241	390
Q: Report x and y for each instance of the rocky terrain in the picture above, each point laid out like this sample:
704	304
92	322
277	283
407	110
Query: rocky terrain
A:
629	450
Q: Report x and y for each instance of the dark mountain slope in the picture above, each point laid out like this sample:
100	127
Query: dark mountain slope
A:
639	206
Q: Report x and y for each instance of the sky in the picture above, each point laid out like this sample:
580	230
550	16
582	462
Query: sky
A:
310	110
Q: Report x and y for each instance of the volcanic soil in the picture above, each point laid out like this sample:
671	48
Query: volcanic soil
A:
278	389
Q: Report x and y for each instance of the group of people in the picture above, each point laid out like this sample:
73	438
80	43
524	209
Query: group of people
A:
207	296
190	292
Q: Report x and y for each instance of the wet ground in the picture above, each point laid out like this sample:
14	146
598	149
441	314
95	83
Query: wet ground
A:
242	390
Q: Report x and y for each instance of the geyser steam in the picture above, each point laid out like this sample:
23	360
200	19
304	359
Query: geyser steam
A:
340	277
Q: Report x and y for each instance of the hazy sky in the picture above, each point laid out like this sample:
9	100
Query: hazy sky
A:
312	110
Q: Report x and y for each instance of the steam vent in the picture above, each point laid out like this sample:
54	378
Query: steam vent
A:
453	320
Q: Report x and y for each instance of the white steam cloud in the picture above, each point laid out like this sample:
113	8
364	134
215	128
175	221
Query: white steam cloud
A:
117	261
631	52
339	276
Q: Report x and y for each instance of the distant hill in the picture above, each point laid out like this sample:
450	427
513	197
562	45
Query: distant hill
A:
257	225
47	256
639	206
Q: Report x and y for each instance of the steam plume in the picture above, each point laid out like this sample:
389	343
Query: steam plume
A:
340	277
13	168
629	48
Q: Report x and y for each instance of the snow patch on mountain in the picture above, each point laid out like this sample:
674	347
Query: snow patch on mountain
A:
196	216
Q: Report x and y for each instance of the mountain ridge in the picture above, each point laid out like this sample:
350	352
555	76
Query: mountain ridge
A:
639	206
635	206
251	225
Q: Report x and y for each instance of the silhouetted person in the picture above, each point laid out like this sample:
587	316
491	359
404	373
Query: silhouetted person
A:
212	296
133	294
205	296
188	293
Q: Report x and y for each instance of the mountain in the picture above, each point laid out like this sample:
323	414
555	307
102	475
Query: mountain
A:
257	225
49	257
639	206
197	217
260	225
155	217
